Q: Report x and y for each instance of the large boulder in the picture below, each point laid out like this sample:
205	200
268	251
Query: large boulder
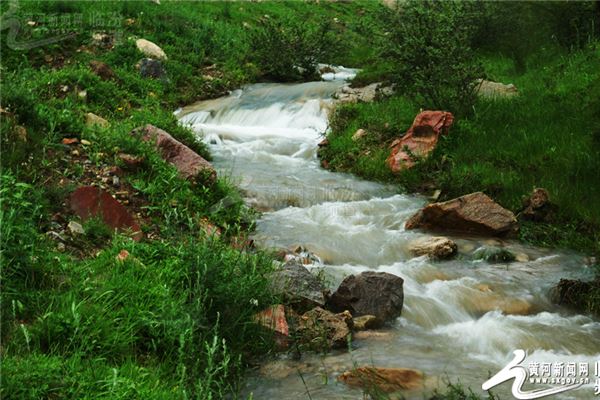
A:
473	213
150	49
370	293
436	247
92	202
298	287
420	139
493	90
319	329
387	380
190	165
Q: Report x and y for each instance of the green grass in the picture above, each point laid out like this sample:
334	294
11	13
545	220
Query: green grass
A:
174	320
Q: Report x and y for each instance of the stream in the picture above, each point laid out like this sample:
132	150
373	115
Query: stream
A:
462	319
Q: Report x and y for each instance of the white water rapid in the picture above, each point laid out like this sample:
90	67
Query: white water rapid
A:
461	319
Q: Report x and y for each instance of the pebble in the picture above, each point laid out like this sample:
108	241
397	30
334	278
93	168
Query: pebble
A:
75	228
115	180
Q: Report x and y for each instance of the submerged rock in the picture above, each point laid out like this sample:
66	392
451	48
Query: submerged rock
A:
298	287
364	322
191	166
320	329
420	139
90	202
387	380
474	213
436	247
371	293
494	255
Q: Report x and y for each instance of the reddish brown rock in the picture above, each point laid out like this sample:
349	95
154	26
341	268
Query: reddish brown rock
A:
90	201
190	165
420	139
274	319
68	141
387	380
473	213
102	70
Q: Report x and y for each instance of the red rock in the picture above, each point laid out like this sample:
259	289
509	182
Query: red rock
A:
420	139
123	255
274	318
473	213
90	201
69	141
190	165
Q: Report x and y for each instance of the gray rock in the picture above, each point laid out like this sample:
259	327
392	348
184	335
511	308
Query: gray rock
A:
371	293
75	228
298	287
151	68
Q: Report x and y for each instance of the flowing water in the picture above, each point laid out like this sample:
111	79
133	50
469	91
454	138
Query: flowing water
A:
461	320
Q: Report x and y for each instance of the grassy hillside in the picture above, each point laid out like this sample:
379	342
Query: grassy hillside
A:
173	319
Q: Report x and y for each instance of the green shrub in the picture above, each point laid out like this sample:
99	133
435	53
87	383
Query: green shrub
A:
429	45
289	49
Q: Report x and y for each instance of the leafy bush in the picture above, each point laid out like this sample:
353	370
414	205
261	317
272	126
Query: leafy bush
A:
429	44
288	49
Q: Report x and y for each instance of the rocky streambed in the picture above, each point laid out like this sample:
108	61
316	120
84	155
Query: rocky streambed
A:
467	301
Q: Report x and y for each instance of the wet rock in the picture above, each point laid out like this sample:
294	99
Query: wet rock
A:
92	119
474	213
324	143
150	49
75	228
435	247
488	301
521	257
494	255
364	322
150	68
190	165
298	287
274	319
90	201
102	70
370	293
493	90
420	139
576	294
359	134
131	162
320	330
537	207
376	380
372	335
